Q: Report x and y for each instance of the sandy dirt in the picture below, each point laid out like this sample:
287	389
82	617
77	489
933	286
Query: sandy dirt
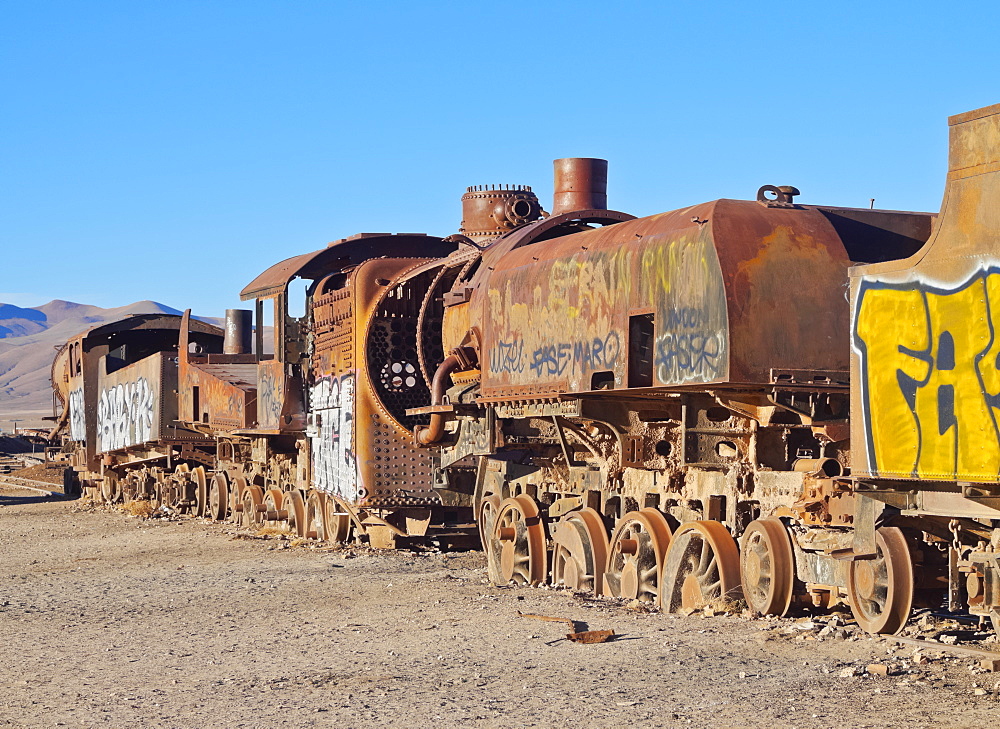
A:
108	620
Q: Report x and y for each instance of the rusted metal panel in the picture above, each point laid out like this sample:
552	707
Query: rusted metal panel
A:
365	374
222	396
695	296
272	394
136	404
926	355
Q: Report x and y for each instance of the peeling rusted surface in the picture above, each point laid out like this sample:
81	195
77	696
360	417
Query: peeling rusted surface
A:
591	636
724	293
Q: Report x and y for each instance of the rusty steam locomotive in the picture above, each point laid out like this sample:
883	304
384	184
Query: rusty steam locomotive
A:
677	409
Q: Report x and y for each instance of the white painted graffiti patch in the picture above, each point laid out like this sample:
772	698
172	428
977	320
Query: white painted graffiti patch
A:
125	415
77	420
334	465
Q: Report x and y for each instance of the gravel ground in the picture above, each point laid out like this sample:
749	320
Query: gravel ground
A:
112	621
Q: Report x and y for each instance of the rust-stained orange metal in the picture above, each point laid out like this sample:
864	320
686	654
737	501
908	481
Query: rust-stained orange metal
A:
491	210
693	297
580	184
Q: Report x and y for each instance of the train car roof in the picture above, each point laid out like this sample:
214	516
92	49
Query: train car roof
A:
152	322
342	254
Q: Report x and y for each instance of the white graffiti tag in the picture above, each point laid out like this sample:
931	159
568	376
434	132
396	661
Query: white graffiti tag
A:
125	415
77	421
334	466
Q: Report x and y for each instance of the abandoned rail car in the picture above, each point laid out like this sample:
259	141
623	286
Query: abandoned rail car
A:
678	408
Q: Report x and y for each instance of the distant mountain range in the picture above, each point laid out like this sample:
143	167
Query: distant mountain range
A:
29	338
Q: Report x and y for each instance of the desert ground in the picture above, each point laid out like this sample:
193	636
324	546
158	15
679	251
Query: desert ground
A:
109	620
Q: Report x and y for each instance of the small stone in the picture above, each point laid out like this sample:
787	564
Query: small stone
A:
948	639
990	664
848	672
878	669
979	692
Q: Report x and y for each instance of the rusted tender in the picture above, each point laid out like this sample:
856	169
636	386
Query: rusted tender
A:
120	381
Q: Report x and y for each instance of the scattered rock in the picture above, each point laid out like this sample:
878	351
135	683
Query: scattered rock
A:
878	669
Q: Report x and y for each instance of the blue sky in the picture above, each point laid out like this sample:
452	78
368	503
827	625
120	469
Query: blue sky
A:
172	151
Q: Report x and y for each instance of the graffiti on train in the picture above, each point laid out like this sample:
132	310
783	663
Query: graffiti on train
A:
507	357
77	418
570	357
270	395
690	349
125	414
332	437
930	371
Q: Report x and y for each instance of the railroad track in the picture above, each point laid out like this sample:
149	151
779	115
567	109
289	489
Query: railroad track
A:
28	484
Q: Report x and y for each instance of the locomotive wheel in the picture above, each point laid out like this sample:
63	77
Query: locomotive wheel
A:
338	523
253	499
218	497
580	551
315	516
295	505
110	488
272	503
635	556
488	509
156	488
130	488
236	490
200	490
702	565
179	488
516	550
880	590
767	567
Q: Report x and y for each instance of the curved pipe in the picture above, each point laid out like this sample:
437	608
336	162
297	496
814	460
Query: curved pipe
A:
433	432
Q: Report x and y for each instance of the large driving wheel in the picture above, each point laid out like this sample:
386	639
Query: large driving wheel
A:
315	516
702	566
580	551
272	510
295	506
218	497
488	509
880	590
635	556
237	488
200	490
767	567
338	522
253	501
516	550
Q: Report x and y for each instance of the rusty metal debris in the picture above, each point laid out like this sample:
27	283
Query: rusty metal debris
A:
584	636
567	621
592	636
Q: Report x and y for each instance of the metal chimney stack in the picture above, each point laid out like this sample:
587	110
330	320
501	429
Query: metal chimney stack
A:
581	183
239	329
